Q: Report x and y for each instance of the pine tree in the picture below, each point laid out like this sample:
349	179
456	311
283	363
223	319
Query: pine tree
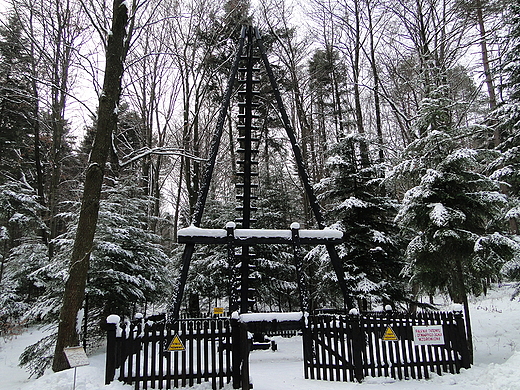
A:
129	270
278	200
450	212
507	166
23	252
208	279
16	102
357	205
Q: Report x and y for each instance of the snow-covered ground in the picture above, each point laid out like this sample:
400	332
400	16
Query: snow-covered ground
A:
496	328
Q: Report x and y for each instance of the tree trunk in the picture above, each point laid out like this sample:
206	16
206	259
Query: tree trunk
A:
375	74
357	94
497	137
485	58
107	120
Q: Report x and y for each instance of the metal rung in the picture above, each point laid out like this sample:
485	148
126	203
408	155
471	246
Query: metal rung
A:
243	162
255	116
254	69
243	173
243	127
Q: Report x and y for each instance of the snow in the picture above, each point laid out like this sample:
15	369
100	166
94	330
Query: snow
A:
280	317
79	320
242	234
353	202
193	231
113	319
439	215
496	328
513	213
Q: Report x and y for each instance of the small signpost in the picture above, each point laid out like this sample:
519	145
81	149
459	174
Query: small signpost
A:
76	357
176	345
218	311
428	335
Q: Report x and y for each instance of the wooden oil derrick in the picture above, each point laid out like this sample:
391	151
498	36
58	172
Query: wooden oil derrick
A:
239	236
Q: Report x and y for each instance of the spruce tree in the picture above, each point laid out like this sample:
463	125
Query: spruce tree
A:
357	205
16	102
507	116
22	252
129	270
450	211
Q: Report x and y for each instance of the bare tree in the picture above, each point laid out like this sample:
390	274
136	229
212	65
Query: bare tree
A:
55	30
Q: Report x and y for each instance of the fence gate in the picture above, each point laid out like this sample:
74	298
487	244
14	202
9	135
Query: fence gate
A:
401	346
168	355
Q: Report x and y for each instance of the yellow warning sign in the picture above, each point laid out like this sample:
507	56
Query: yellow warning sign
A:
389	335
218	310
176	344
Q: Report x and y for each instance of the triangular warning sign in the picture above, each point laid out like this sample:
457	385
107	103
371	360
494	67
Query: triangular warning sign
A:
176	344
389	335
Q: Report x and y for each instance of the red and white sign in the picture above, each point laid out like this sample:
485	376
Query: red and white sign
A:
428	335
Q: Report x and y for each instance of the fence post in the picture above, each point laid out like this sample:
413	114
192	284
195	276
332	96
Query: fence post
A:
236	353
111	327
463	341
307	346
358	344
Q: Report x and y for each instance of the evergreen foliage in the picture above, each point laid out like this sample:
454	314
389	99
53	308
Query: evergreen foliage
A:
506	167
16	102
358	206
275	272
208	279
450	211
22	251
129	269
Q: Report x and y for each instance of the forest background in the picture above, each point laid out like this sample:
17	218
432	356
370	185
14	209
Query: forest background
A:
406	112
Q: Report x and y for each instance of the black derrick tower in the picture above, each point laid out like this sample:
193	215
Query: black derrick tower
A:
239	236
250	56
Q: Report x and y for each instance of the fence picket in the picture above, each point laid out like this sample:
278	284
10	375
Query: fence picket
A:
206	351
175	357
189	339
168	357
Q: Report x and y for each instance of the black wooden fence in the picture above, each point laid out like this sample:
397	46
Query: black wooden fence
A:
351	347
162	355
336	347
